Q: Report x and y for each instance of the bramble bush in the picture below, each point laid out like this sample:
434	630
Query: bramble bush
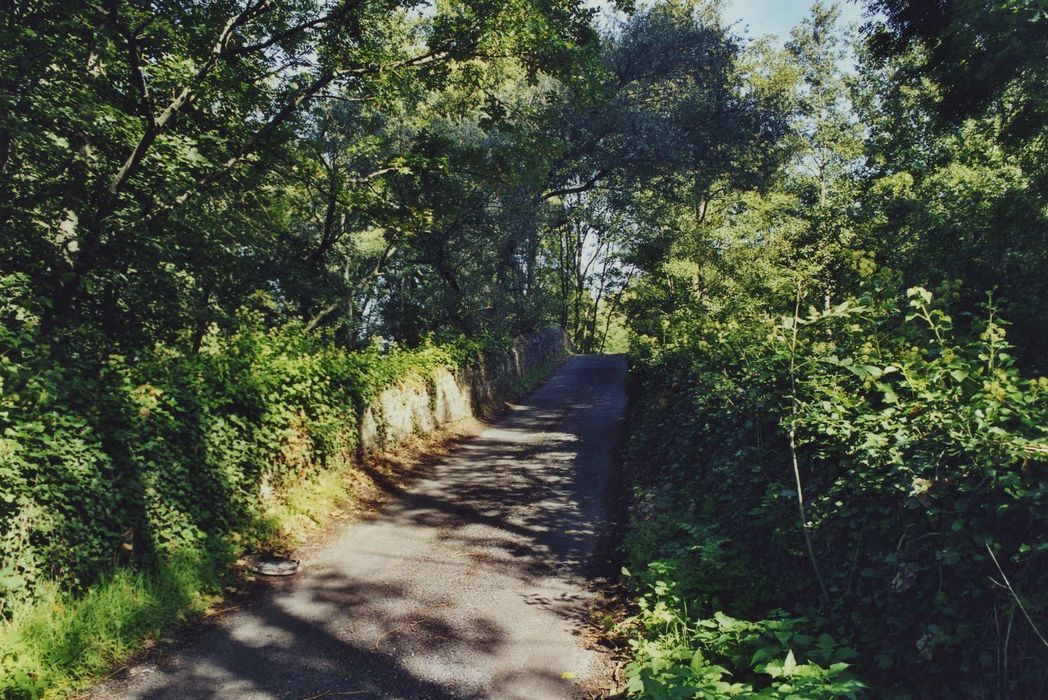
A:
922	452
153	462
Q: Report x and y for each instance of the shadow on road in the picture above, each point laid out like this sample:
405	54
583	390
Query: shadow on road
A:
468	584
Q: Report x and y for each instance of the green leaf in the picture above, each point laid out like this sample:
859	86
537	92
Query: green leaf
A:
10	580
790	664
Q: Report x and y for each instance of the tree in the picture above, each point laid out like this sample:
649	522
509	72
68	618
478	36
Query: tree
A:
143	167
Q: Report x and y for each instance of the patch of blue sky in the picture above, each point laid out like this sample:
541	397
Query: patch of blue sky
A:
756	18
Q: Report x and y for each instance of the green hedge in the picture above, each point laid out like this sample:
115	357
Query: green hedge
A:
921	450
166	456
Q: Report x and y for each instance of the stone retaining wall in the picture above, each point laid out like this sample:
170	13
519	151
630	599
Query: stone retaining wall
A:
420	404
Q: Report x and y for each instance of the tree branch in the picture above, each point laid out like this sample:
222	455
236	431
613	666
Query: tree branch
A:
584	187
158	123
335	15
134	61
793	445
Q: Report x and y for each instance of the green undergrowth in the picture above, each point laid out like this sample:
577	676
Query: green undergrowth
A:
127	487
58	639
921	450
689	647
62	639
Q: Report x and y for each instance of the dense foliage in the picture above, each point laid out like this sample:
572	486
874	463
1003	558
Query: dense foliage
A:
839	444
171	449
171	462
921	457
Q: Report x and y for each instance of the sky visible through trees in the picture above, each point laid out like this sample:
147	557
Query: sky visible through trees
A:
761	17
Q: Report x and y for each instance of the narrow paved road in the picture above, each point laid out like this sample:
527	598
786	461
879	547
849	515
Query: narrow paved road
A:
470	585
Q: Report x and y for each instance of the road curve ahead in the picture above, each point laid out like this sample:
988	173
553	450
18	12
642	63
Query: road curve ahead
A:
469	585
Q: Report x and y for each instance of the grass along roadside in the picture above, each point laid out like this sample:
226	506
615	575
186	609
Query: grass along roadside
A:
61	641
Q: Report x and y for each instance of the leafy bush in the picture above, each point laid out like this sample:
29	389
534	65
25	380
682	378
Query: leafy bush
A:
921	452
136	462
691	649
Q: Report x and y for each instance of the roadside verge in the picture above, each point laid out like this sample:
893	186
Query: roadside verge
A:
62	640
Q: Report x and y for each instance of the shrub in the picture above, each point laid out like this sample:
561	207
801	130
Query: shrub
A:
111	472
921	450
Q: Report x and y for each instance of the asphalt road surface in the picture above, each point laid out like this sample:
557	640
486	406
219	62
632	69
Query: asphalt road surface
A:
470	584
